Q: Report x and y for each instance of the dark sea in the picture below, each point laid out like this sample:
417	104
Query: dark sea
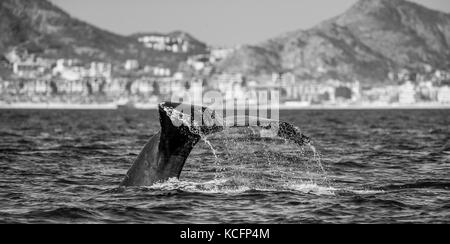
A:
378	166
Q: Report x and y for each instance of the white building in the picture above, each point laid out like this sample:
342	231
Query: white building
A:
34	87
142	86
72	70
28	69
71	86
407	93
100	70
117	86
42	87
69	69
159	71
164	43
178	76
131	64
443	94
286	82
312	92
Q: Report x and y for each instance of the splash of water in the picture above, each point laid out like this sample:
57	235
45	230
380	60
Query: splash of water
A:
216	157
318	159
234	186
268	129
207	142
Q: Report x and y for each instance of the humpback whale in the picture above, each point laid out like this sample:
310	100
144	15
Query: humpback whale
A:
164	156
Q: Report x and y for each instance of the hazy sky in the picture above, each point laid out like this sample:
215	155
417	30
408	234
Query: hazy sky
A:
217	22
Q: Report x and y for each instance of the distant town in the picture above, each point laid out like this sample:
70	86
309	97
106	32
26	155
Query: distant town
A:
42	82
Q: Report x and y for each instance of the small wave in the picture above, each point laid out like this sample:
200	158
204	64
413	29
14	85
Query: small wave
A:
236	186
367	192
8	133
94	147
63	212
213	186
67	182
311	188
422	184
382	202
350	164
10	150
446	148
233	186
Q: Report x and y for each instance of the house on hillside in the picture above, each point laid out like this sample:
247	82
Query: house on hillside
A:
30	68
131	65
73	70
164	43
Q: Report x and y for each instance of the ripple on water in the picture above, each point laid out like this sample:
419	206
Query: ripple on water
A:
65	166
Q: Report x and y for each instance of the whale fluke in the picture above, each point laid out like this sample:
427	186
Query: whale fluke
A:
182	125
164	156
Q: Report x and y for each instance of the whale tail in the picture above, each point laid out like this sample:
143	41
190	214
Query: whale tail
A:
164	156
182	126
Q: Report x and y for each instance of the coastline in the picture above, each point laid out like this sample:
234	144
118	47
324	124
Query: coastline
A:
113	106
56	106
367	107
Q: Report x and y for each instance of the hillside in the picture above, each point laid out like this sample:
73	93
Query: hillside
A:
366	42
44	29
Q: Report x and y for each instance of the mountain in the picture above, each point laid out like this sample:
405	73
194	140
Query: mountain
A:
42	28
366	42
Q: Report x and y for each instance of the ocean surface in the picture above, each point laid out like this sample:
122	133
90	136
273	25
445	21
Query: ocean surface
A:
378	166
